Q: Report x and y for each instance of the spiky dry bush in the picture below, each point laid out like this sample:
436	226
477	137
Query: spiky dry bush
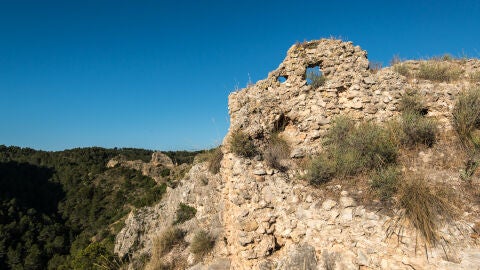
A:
276	151
242	145
202	244
167	240
424	207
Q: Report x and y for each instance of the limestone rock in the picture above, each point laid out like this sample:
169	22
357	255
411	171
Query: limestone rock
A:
159	158
347	201
300	257
328	204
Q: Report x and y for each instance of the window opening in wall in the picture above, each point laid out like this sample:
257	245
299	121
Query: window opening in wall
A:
282	79
315	77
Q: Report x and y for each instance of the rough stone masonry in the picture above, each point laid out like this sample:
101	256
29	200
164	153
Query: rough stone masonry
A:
266	219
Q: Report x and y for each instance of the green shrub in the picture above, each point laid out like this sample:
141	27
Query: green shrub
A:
276	150
214	160
411	102
418	129
385	182
316	79
350	150
184	213
372	144
347	161
320	170
165	172
439	71
340	131
242	145
466	117
96	255
414	127
202	244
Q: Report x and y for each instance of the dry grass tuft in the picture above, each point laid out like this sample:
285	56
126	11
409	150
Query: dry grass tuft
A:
466	118
167	240
202	244
423	207
276	151
213	157
176	263
475	77
214	160
163	244
374	66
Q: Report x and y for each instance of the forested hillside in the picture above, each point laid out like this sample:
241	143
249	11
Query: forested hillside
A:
61	210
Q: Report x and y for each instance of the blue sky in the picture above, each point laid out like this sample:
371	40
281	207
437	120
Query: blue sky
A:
157	74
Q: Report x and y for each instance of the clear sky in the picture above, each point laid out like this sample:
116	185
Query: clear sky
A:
157	74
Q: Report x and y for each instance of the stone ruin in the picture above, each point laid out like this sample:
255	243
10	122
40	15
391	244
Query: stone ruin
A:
266	219
286	100
153	169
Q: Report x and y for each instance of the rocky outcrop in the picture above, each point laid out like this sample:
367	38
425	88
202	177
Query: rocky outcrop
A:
264	218
199	189
154	169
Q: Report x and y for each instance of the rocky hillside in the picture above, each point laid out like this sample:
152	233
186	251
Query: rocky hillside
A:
275	204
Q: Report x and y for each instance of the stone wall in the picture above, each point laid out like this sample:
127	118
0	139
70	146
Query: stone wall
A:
266	219
350	89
